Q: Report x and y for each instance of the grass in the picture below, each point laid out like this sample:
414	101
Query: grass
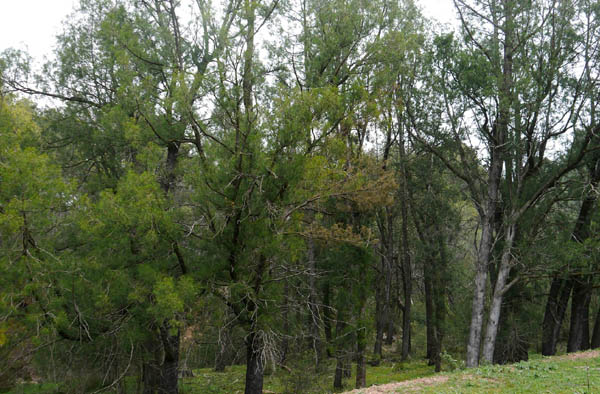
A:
579	373
206	381
576	373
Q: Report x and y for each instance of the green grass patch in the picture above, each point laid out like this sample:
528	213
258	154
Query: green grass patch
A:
562	374
305	380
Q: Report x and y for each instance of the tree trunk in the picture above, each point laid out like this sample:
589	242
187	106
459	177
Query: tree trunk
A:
383	318
479	298
361	367
221	356
339	373
429	313
497	158
390	326
556	306
340	353
483	259
315	316
596	335
150	374
499	290
327	317
379	321
169	369
254	364
579	332
407	279
160	374
439	302
388	321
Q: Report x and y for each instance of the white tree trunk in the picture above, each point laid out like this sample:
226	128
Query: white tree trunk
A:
483	257
500	288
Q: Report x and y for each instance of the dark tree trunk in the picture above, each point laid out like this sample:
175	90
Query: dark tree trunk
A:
383	318
160	374
169	370
407	285
585	345
579	331
347	367
339	374
150	374
254	364
429	314
341	365
361	367
379	321
391	329
388	321
327	317
558	298
596	334
439	301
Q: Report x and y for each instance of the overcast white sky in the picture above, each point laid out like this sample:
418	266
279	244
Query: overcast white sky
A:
33	24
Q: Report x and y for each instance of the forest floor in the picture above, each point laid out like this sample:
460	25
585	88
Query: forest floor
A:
572	373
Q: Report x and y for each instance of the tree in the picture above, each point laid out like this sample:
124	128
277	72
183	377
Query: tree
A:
534	97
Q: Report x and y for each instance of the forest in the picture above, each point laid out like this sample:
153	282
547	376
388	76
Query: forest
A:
298	185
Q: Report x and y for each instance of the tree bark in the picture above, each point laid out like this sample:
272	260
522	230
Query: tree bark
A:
169	369
439	302
556	306
429	313
254	364
596	334
379	320
406	263
473	346
579	331
340	354
339	374
361	366
327	317
221	356
499	290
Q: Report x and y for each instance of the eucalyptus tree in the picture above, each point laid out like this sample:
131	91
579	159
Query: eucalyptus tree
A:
511	93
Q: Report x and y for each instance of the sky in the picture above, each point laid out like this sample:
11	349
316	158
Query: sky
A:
32	24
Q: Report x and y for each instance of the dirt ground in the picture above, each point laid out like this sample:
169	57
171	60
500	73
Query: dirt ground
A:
579	355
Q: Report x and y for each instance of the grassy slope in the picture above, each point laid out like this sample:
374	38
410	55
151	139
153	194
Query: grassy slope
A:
575	373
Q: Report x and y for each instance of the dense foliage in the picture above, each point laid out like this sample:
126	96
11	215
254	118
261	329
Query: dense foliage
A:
296	184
